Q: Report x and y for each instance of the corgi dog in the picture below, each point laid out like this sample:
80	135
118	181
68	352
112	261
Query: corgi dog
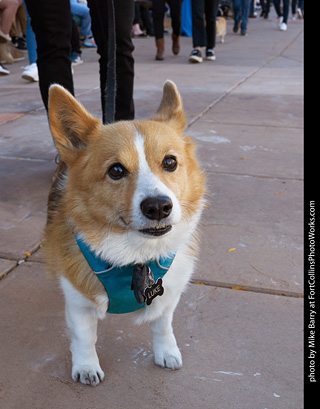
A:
221	28
121	232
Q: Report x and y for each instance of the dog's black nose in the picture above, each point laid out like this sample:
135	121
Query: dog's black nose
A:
156	208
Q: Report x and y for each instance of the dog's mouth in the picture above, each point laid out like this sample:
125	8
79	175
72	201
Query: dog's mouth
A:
156	231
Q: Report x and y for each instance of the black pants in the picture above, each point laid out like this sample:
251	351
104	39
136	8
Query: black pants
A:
75	38
284	11
158	10
265	4
52	23
204	34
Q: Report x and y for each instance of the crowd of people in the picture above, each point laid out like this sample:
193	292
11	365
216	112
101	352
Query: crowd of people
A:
53	34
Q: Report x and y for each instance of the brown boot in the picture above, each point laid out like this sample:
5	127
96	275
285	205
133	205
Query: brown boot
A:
175	44
5	53
160	49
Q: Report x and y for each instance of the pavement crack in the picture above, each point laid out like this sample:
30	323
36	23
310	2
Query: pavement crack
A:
249	288
243	80
254	176
20	261
26	159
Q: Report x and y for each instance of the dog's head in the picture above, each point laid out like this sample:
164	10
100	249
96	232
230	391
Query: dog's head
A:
132	185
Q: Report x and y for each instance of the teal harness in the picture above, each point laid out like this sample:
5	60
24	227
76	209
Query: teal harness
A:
117	280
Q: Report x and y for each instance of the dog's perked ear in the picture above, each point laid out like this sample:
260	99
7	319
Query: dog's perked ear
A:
71	125
171	107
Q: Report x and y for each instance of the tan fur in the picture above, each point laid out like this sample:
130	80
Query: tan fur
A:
221	28
92	200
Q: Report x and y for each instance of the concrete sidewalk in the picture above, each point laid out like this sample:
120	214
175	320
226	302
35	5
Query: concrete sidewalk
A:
239	326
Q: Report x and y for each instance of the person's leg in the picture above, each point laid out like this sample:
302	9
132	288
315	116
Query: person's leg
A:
158	9
285	11
75	54
245	7
211	11
51	23
268	7
251	7
301	5
82	10
124	15
146	19
30	39
277	7
199	36
236	14
8	11
294	7
30	73
175	12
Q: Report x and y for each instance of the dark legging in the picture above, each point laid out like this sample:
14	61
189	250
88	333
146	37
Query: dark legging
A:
158	11
265	4
204	34
294	5
285	12
51	22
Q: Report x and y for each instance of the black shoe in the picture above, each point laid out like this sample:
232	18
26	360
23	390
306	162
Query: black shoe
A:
236	27
210	55
195	56
19	43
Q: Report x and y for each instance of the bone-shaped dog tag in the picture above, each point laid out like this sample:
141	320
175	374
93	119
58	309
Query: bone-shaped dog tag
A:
153	291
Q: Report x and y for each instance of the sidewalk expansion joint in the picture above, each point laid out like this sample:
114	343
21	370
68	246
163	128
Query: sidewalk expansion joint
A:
242	81
26	159
20	261
261	290
254	176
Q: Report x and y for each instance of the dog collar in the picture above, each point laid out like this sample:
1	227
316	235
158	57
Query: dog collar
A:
117	281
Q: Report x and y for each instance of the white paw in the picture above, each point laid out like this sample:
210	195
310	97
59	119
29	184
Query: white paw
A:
168	358
87	374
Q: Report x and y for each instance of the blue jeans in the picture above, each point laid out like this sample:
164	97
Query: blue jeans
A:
30	39
82	11
241	13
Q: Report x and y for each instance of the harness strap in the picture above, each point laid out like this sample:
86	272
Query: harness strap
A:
117	280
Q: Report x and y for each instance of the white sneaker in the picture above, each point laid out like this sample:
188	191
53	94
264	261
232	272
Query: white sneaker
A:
300	14
283	27
30	73
4	70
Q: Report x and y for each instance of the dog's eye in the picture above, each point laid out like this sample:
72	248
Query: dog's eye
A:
117	171
169	163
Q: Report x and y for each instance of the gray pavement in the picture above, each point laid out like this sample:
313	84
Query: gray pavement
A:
240	324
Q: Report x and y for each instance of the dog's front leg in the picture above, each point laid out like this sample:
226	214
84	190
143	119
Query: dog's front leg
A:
167	353
82	321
